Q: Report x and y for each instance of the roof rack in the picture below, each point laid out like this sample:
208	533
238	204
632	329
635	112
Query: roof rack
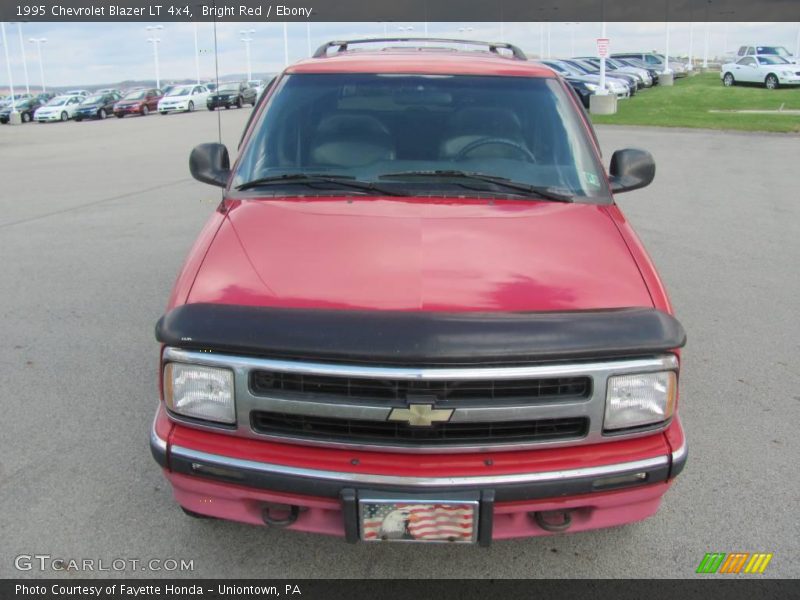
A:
343	45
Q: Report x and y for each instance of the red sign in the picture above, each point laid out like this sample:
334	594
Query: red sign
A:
602	47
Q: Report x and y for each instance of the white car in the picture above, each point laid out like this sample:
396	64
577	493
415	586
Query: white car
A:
769	70
184	98
60	108
757	50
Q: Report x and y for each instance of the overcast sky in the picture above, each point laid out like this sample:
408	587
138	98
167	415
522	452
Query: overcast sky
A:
85	54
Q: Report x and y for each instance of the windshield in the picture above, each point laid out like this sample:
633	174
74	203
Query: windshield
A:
93	99
771	60
228	87
134	95
185	90
57	101
776	50
393	128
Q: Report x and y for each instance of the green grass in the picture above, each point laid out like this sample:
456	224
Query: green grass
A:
687	104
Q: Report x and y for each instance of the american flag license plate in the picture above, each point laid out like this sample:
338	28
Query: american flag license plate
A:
418	520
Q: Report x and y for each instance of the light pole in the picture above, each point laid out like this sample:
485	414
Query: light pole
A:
24	58
8	66
247	39
285	44
602	91
464	30
39	42
196	55
690	66
571	36
155	41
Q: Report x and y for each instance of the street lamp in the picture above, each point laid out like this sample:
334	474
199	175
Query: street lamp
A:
39	42
155	41
247	39
571	37
196	55
8	67
24	58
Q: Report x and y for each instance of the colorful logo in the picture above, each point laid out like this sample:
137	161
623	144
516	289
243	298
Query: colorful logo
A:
736	562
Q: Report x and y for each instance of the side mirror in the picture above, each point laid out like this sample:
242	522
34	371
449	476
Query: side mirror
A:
210	164
631	169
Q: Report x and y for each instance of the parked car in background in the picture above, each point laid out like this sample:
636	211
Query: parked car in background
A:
97	106
210	86
60	108
633	62
235	94
614	67
614	86
45	97
76	93
583	89
184	98
589	69
108	91
258	85
138	102
656	60
755	49
771	71
24	106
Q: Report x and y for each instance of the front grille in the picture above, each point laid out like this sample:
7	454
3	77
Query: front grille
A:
269	383
387	432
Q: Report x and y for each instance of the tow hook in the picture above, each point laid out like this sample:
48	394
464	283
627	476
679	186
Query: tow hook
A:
554	521
280	515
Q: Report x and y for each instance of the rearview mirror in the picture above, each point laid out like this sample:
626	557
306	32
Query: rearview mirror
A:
210	164
631	169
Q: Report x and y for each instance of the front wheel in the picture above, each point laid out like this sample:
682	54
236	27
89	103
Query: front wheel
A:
102	114
191	106
64	116
26	118
145	111
728	80
771	82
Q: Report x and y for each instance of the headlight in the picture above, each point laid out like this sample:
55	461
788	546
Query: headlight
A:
591	87
639	399
200	392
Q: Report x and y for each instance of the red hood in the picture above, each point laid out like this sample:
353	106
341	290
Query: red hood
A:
414	255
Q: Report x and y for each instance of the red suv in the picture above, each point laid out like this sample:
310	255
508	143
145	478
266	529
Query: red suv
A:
418	313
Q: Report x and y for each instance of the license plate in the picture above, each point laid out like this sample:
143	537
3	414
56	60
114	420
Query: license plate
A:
418	520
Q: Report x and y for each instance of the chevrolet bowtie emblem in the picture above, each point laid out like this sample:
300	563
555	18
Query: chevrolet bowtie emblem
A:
421	415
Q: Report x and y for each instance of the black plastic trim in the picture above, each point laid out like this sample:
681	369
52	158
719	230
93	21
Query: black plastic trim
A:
418	337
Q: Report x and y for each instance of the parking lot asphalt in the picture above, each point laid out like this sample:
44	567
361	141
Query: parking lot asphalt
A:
96	220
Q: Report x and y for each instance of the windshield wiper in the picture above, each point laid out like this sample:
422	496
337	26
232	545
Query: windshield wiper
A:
547	193
311	178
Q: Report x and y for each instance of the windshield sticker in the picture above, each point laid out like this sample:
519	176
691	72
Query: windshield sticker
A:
592	179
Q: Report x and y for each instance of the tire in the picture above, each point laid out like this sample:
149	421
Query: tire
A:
195	515
190	108
26	117
102	114
239	102
64	116
120	116
211	108
728	80
163	113
771	82
145	111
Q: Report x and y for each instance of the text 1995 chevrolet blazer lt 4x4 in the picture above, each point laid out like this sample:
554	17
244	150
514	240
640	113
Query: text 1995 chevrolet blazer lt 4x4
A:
417	314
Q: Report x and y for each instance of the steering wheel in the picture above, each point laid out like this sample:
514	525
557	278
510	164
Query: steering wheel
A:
498	141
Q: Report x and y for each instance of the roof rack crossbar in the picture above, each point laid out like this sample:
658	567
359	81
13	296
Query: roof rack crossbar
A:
343	45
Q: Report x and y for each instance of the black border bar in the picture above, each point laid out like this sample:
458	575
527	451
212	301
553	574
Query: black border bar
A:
406	11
